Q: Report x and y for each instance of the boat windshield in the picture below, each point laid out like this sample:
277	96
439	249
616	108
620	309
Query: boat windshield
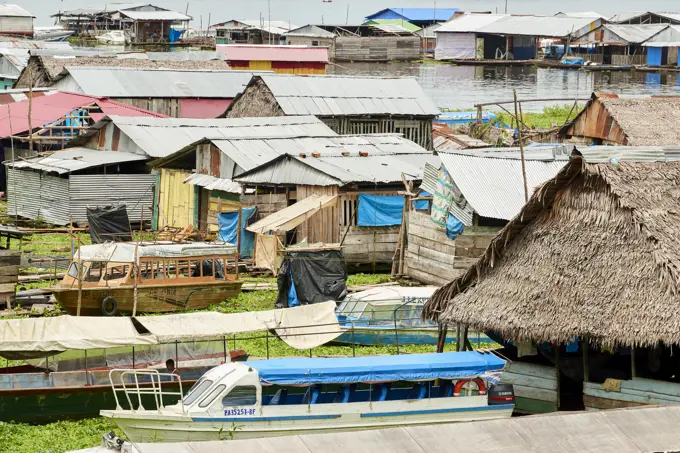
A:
197	390
352	308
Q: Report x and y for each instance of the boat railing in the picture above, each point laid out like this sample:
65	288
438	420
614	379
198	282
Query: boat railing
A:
151	384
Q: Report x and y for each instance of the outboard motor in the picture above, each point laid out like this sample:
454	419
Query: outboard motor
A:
501	394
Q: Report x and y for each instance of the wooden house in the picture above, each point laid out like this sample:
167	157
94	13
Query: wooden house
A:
583	282
348	105
365	173
251	31
194	175
374	42
610	120
616	44
16	21
489	192
288	59
175	93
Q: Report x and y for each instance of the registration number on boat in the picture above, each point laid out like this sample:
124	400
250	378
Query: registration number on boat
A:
239	412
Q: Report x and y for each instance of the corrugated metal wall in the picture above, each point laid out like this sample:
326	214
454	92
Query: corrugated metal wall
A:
176	200
16	25
134	191
460	46
164	106
36	195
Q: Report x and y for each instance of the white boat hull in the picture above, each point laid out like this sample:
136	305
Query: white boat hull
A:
272	421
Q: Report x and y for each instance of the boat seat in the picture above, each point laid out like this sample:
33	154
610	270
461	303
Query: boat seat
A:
344	394
380	392
311	395
279	397
418	391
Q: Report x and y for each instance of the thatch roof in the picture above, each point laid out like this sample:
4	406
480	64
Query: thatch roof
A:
595	253
649	121
48	69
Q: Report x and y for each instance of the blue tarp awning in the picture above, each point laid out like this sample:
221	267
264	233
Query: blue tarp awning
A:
409	367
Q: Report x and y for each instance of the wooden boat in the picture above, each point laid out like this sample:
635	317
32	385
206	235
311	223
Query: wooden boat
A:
390	316
166	276
267	398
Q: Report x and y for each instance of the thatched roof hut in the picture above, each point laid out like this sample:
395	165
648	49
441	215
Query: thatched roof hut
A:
594	253
610	120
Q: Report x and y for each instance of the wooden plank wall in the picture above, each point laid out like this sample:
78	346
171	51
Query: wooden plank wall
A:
218	205
433	258
635	392
324	226
535	386
267	203
176	200
164	106
418	130
377	48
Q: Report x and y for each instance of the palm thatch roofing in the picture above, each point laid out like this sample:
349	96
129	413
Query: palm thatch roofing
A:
594	253
649	121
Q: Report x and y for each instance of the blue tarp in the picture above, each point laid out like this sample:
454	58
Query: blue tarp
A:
572	61
423	205
464	117
226	223
174	35
407	367
454	227
380	210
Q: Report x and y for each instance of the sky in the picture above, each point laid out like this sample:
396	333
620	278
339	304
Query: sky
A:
302	12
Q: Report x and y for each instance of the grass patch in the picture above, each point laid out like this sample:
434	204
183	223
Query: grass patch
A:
553	115
367	279
56	437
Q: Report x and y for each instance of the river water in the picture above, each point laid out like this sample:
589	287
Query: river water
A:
460	87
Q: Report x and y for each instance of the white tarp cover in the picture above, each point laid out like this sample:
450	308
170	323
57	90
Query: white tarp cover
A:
60	333
124	252
459	46
290	323
31	337
292	216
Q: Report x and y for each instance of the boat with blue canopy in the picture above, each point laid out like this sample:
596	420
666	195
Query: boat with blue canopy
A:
277	397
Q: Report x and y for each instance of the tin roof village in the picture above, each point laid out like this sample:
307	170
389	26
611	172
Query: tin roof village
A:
298	236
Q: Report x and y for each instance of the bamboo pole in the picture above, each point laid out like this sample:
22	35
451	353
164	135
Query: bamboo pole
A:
521	149
80	279
30	110
136	273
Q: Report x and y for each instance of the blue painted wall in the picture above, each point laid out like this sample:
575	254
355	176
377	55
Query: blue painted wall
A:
654	56
524	53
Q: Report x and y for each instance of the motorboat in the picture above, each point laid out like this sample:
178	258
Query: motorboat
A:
277	397
51	34
113	38
167	277
391	315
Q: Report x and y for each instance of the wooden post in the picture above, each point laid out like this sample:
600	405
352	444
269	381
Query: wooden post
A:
238	228
30	110
521	149
404	233
457	337
479	115
633	368
586	366
466	342
557	369
136	274
80	280
441	341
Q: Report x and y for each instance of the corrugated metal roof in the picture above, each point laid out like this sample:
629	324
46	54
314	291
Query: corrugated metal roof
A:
53	106
161	137
185	55
339	170
275	27
261	52
636	34
626	16
311	31
418	14
74	159
392	28
34	45
155	15
327	96
158	83
584	14
494	186
603	154
252	153
10	10
212	183
550	26
292	216
469	23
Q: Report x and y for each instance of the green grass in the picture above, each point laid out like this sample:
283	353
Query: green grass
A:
56	437
554	115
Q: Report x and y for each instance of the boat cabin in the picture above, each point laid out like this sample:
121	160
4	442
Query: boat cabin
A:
168	276
275	397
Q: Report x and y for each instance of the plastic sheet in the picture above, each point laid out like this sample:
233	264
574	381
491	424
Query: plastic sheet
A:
317	276
227	229
109	224
380	210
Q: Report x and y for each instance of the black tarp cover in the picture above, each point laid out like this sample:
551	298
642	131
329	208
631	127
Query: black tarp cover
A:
109	223
319	276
